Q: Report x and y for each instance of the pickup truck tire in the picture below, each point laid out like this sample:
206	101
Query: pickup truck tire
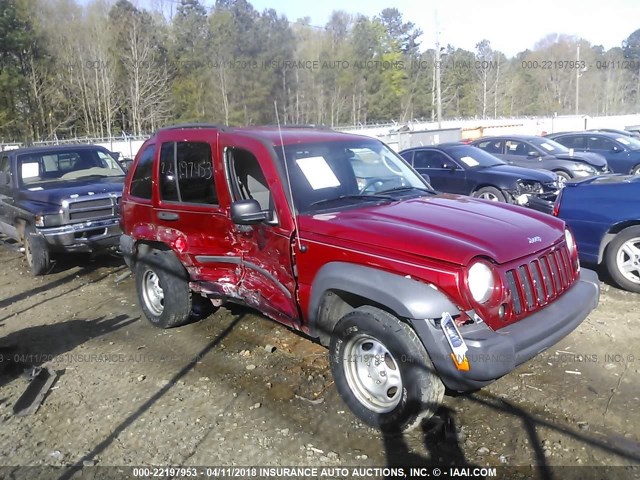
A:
382	371
160	276
623	259
490	193
36	251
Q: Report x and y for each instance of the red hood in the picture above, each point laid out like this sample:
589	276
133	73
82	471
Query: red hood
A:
446	227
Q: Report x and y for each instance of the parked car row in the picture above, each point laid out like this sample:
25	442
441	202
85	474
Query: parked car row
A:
622	152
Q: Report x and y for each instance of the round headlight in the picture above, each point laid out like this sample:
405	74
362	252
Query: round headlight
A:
571	244
480	281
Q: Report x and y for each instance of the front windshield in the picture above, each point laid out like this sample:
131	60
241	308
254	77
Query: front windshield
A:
341	174
473	157
550	146
46	169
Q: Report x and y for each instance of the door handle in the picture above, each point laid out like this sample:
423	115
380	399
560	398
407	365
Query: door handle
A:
171	216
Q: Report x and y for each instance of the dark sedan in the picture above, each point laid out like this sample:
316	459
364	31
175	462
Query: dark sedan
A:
467	170
622	152
604	215
530	151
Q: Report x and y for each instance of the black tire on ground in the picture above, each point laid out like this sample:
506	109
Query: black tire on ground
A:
490	193
382	371
624	249
36	251
160	276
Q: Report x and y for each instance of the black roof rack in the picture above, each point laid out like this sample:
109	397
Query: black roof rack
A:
296	125
195	125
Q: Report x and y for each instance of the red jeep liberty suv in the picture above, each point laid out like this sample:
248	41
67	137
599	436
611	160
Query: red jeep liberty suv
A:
335	235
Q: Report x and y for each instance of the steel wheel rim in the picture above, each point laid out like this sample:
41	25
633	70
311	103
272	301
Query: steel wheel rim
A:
489	196
562	181
628	260
27	251
372	373
152	293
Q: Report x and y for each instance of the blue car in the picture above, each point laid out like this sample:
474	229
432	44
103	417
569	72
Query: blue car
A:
622	152
604	215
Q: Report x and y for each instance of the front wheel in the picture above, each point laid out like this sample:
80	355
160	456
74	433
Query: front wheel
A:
623	259
382	371
36	251
563	177
163	289
635	170
490	193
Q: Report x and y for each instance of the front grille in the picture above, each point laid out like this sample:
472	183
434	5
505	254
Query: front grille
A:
538	282
91	207
82	204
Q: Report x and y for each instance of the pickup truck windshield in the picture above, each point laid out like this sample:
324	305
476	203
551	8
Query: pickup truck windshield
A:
343	174
44	170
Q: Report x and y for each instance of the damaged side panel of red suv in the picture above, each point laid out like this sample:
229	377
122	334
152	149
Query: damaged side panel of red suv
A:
335	235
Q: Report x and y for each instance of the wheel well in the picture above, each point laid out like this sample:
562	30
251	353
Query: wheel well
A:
143	247
556	170
334	305
610	235
485	185
21	226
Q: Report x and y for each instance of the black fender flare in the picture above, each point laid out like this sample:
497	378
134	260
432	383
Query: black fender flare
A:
403	295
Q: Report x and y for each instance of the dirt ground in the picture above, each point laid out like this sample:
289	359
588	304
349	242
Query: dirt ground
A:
213	393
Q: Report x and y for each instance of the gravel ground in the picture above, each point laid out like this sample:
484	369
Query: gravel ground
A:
239	389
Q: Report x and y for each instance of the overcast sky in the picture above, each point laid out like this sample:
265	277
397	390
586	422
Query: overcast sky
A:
510	26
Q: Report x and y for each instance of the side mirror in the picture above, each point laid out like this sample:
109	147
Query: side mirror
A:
533	154
247	212
449	166
125	163
616	149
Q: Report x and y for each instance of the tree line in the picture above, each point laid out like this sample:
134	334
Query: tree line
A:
102	69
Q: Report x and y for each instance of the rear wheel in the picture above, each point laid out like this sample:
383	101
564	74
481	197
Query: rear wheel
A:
163	289
382	370
490	193
623	259
36	251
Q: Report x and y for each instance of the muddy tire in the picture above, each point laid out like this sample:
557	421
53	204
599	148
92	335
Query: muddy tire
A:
490	193
163	289
382	371
36	251
623	259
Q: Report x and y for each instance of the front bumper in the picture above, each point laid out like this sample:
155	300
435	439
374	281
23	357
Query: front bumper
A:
87	236
494	353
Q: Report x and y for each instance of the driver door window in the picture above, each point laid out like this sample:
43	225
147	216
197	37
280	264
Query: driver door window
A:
429	159
516	148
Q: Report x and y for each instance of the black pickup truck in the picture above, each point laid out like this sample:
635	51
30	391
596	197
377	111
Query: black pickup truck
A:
60	199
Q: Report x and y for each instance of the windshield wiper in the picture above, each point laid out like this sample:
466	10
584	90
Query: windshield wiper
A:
353	197
406	189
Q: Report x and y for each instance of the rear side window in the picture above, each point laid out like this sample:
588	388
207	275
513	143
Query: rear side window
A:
573	141
141	181
186	173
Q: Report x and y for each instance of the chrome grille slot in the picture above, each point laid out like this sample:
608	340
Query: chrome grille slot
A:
539	281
